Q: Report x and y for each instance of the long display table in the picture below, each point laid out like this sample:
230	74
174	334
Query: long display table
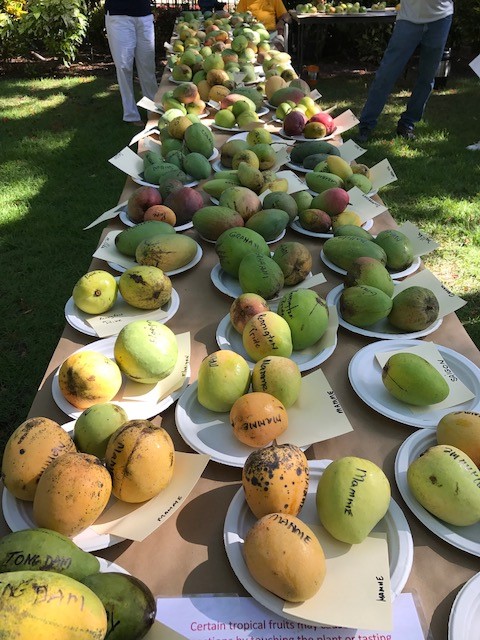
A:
186	555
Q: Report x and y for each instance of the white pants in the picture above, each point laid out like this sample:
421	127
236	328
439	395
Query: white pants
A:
132	39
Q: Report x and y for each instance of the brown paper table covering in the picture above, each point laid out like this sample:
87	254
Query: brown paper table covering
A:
185	555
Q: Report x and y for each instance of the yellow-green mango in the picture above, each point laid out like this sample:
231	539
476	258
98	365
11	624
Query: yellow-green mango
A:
412	379
462	430
223	377
363	305
128	239
321	180
260	274
211	222
279	376
414	309
267	334
306	313
398	248
343	250
446	482
167	251
269	223
370	272
234	244
353	495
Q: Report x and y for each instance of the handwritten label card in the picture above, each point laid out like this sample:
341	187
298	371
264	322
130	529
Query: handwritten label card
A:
137	521
382	174
364	206
282	155
107	251
149	105
365	601
122	313
108	215
475	65
421	242
128	161
294	182
315	95
350	150
226	616
317	414
448	302
345	121
428	350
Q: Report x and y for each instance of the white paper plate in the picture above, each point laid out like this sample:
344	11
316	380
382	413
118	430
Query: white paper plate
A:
129	223
302	138
239	520
365	376
228	338
218	166
18	515
464	617
296	226
144	183
464	538
381	329
279	237
231	286
136	409
243	136
205	113
395	274
298	167
193	262
111	567
78	319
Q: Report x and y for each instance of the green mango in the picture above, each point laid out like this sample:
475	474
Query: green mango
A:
306	313
398	248
412	379
269	223
302	150
362	305
260	274
343	250
370	272
234	244
414	309
128	239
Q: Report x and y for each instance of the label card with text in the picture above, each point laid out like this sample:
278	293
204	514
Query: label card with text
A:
421	242
475	65
428	350
361	574
317	414
107	251
350	150
294	182
111	322
382	174
364	206
128	161
282	155
155	393
315	95
108	215
137	521
345	121
448	302
148	131
243	618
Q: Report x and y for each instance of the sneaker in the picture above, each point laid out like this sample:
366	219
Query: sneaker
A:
405	132
363	135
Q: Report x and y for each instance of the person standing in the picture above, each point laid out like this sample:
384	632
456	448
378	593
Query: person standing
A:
131	38
272	14
419	22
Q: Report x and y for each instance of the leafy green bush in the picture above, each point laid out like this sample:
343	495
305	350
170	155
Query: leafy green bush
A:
54	27
466	24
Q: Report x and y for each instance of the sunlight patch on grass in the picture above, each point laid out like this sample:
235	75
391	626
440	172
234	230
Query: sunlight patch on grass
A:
25	107
105	94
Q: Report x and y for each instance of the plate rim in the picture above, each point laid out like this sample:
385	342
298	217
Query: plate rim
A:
426	437
129	223
193	263
395	274
455	630
367	225
269	600
413	420
333	298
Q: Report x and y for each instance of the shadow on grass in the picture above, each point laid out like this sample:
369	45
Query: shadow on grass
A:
56	180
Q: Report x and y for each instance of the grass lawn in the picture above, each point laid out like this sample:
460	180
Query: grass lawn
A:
56	136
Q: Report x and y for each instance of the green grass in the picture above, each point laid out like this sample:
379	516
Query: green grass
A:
56	138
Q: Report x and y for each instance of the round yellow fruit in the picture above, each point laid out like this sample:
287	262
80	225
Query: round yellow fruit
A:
257	418
95	292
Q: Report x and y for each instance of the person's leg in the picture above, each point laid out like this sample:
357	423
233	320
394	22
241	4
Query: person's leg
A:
145	56
121	40
432	47
403	42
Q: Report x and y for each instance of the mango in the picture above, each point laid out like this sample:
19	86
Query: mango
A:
414	309
306	313
184	201
338	166
412	379
146	351
353	495
250	177
260	274
145	287
285	557
28	451
314	160
229	149
269	223
343	250
95	425
360	181
140	457
347	217
242	200
398	248
321	180
196	165
223	377
461	429
211	222
129	603
370	272
283	201
216	186
315	220
72	493
302	150
279	376
446	482
128	239
234	244
167	252
45	550
284	94
77	615
258	418
275	480
363	305
333	201
352	230
267	334
244	307
295	260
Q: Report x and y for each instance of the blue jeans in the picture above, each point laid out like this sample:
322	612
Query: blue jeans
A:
405	38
